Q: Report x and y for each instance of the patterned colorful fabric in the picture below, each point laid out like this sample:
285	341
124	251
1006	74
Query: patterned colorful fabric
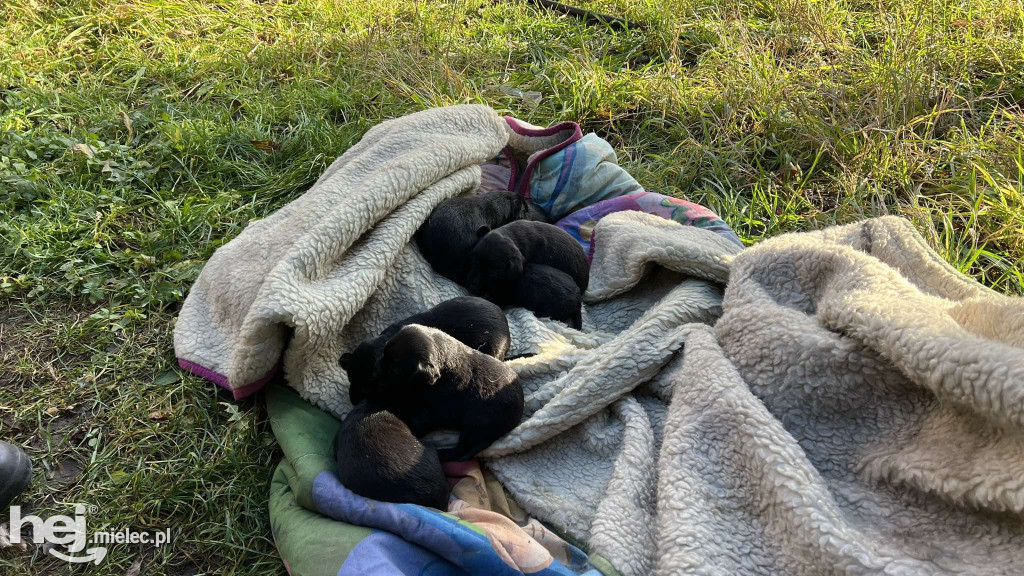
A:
581	174
322	528
467	540
580	224
577	180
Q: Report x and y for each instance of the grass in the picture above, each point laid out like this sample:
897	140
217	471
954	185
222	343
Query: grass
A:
138	136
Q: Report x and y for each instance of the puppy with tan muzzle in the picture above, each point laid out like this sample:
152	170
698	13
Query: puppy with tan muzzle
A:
434	382
475	322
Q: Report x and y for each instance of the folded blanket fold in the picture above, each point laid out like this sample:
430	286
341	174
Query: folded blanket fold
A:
335	251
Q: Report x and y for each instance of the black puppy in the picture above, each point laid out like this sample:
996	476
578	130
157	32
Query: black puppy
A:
473	321
547	292
378	457
498	259
455	225
434	382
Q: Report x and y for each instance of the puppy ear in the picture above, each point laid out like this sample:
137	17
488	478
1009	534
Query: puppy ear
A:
482	231
345	361
426	374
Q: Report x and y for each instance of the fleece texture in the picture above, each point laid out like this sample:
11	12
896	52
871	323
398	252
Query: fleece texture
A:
855	410
335	264
850	403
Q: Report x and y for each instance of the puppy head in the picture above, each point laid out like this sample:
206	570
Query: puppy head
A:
495	264
407	362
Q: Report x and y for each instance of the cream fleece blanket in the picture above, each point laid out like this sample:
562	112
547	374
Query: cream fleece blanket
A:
856	409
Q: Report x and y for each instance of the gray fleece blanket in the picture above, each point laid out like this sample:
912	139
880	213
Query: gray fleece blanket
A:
852	404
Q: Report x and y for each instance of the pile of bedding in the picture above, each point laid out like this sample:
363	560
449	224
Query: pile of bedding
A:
848	403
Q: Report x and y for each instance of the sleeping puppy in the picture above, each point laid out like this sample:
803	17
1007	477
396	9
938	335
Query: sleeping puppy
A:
378	457
547	292
473	321
434	382
498	259
454	227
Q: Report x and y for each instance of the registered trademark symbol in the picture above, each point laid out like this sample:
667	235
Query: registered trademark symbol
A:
92	508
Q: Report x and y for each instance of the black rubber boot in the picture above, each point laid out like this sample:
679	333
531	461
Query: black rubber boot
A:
15	473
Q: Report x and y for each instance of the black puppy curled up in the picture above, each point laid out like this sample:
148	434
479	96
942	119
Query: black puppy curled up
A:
378	457
455	225
475	322
547	292
498	259
434	382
